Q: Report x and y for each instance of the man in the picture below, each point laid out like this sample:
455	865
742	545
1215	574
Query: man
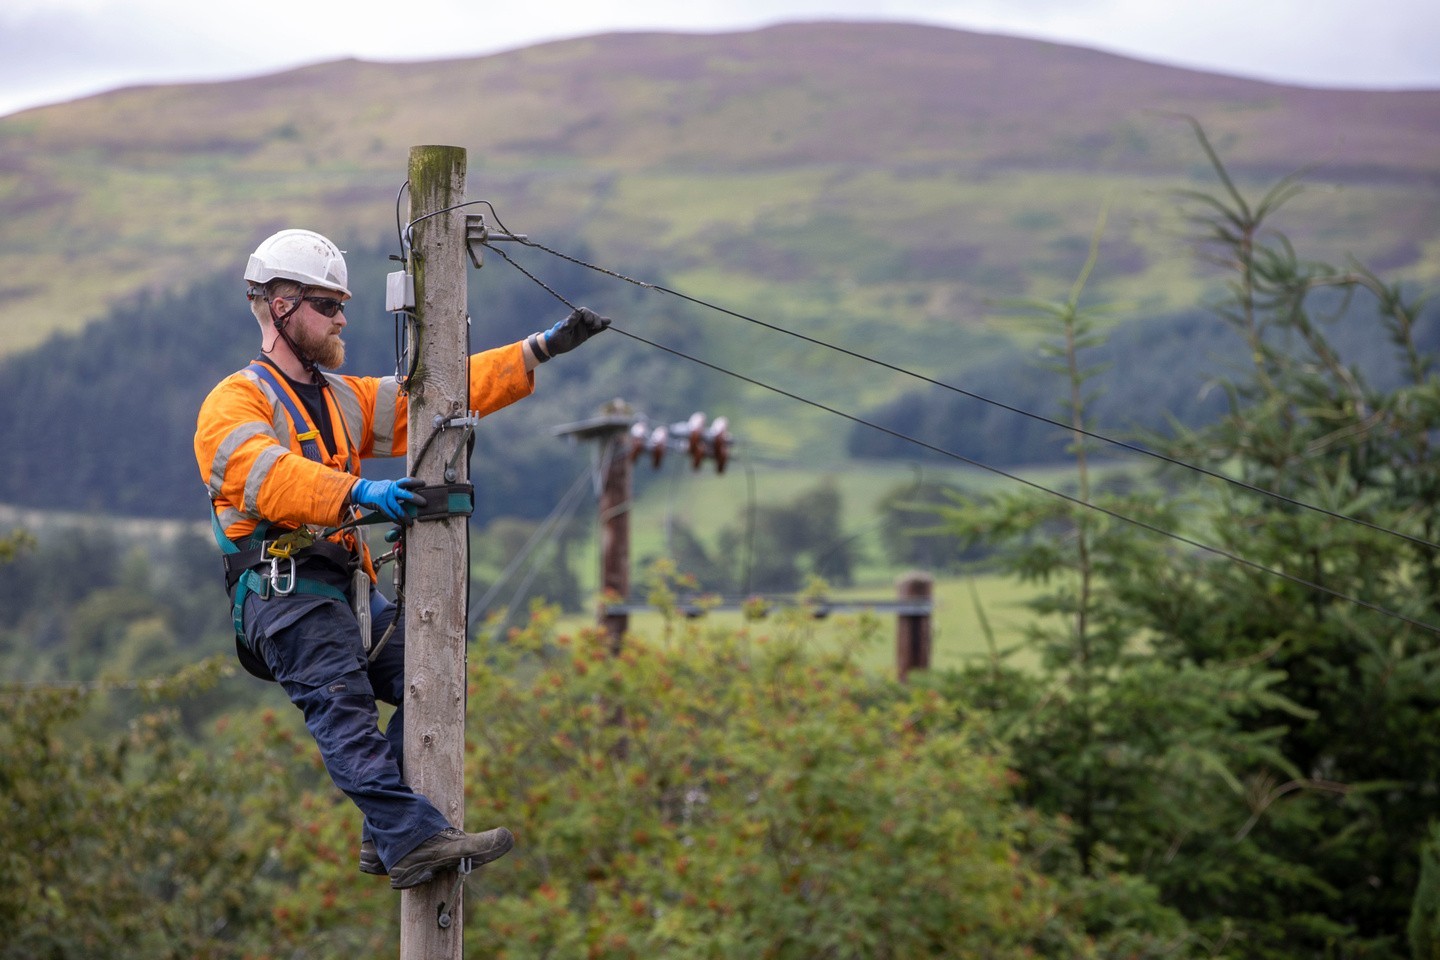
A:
279	446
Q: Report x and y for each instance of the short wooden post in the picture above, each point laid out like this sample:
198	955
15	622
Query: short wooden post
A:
912	630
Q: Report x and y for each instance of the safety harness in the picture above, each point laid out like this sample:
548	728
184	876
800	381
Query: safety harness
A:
270	567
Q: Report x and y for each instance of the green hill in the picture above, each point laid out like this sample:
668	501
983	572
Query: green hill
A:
887	173
884	187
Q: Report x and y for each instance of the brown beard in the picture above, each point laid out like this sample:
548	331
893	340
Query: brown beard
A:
327	350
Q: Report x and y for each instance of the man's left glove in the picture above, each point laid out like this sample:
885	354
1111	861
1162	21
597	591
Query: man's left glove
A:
568	334
387	496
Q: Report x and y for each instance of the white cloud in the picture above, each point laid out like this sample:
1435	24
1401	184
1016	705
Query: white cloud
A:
1317	42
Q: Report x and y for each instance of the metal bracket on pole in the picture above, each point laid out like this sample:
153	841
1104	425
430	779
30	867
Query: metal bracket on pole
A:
477	234
447	906
468	423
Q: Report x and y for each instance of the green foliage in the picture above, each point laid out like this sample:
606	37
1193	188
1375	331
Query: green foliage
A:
1211	723
729	795
127	845
1140	754
1424	927
911	533
772	547
83	602
514	561
720	794
799	540
1305	423
138	842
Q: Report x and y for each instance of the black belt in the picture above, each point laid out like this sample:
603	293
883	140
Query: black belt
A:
327	552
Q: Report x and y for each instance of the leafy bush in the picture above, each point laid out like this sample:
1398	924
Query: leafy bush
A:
729	794
715	794
129	845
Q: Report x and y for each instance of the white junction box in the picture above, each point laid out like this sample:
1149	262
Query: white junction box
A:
399	291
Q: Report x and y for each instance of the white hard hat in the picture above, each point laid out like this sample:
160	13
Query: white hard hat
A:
300	255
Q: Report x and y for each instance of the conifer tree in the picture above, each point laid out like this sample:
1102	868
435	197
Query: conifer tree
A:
1250	729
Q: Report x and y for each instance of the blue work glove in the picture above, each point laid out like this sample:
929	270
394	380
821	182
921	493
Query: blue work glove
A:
387	496
568	334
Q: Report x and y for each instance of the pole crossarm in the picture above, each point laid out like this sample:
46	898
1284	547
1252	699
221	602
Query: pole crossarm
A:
596	428
817	608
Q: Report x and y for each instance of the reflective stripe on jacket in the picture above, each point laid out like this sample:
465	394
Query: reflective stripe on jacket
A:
253	474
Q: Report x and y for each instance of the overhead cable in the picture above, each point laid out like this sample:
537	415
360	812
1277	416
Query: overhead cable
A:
1132	447
1217	551
542	534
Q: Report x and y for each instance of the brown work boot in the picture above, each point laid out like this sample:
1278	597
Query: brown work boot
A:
370	861
445	850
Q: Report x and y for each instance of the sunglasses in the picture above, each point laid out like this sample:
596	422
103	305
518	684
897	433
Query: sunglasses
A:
325	306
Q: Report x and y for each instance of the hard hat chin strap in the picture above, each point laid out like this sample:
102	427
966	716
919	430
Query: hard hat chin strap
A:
280	322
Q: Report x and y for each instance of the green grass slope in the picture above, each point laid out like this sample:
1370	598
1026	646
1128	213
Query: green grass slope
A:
879	179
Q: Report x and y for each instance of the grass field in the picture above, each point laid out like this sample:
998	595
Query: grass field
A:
969	613
966	607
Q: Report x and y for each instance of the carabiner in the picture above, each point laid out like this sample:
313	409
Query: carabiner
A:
281	584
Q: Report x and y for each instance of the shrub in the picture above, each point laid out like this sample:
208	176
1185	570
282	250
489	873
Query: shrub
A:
723	794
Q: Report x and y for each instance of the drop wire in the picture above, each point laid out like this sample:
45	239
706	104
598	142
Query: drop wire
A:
1071	428
1142	524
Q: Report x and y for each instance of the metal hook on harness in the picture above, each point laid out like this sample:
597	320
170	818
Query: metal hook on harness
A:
286	545
281	584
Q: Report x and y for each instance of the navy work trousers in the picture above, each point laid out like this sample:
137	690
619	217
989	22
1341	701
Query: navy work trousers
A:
312	645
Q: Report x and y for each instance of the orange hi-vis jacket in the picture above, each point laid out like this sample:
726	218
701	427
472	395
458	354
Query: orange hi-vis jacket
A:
252	462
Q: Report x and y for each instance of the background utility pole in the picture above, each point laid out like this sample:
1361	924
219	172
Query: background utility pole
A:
436	554
622	437
610	430
615	535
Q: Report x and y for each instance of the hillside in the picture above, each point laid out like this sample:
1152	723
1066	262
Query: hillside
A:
885	187
875	173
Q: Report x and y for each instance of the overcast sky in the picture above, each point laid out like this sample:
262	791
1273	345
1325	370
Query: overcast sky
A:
54	50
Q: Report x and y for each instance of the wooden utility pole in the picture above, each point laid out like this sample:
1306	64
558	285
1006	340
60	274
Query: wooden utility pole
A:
610	430
435	550
615	534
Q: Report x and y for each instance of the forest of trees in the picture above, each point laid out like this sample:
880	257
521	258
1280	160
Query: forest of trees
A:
1149	375
1219	743
113	407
